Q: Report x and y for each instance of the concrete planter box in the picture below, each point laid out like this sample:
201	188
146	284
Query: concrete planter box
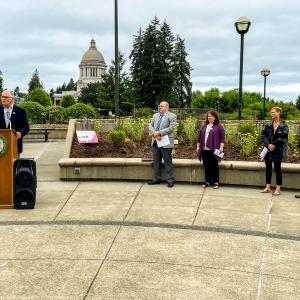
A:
185	170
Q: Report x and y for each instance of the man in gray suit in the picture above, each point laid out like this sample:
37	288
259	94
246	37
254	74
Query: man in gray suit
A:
162	123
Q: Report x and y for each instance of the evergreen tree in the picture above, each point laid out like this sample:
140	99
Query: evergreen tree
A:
163	68
51	94
298	103
17	91
35	82
64	87
58	90
137	67
1	82
107	89
182	71
150	60
153	66
71	86
91	94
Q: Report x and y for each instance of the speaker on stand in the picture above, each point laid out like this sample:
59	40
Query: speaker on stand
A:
25	183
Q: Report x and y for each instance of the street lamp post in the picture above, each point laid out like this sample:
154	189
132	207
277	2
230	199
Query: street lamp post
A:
117	100
265	73
242	26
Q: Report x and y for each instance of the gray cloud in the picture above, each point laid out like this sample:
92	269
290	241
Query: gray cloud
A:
52	36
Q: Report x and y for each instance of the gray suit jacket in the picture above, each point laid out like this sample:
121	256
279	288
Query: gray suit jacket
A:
166	127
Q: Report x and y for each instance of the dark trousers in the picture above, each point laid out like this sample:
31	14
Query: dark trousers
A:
277	167
211	166
158	155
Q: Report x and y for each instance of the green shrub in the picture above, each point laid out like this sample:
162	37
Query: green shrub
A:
144	112
67	100
80	111
55	114
190	129
134	128
117	136
178	131
247	128
40	96
248	144
97	126
231	135
293	146
35	112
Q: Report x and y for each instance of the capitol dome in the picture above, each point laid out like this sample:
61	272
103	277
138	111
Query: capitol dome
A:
92	55
91	67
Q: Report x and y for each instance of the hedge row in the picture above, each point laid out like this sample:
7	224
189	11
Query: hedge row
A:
38	114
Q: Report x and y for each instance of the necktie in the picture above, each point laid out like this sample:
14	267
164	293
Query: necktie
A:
7	118
159	122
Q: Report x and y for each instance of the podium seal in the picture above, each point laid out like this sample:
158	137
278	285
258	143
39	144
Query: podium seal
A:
3	145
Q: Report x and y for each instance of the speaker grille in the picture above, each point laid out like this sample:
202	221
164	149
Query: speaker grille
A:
24	178
24	198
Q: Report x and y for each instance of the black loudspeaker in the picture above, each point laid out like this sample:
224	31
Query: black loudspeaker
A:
24	183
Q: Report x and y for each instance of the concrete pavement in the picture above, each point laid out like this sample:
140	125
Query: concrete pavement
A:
128	240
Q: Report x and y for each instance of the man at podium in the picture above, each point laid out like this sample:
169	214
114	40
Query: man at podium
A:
13	117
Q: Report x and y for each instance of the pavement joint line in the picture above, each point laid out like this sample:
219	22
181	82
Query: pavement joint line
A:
282	277
154	225
262	264
50	258
198	208
66	201
180	265
101	264
135	197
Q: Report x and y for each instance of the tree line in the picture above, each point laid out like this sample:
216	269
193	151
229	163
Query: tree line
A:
159	69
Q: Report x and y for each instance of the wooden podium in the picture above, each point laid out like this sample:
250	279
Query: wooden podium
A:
8	154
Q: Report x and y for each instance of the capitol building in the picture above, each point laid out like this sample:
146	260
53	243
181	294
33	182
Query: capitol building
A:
91	68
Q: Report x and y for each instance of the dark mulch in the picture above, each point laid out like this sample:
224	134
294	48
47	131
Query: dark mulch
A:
106	148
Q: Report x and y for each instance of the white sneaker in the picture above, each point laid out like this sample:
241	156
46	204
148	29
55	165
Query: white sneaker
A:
205	185
215	186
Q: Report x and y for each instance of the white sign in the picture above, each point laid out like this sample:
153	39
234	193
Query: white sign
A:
87	137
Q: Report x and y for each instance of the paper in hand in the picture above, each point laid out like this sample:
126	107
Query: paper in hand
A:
219	153
263	153
164	141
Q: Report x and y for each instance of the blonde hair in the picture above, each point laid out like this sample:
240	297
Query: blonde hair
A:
277	109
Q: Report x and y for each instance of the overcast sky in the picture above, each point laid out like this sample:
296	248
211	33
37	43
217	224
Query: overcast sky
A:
52	35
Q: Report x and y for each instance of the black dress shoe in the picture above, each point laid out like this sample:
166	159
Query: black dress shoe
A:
154	182
170	184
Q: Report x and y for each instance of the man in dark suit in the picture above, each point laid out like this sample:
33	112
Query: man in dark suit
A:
160	128
13	117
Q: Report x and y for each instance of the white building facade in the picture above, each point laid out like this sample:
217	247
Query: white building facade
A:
91	67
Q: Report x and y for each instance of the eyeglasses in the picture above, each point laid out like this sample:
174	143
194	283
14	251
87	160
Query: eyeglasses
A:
5	97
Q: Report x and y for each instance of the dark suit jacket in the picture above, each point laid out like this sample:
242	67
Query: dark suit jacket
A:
19	122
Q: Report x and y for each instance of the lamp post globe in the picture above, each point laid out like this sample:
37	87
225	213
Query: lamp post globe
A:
242	26
265	73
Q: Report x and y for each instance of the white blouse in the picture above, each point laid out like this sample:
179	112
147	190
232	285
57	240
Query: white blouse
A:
208	129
